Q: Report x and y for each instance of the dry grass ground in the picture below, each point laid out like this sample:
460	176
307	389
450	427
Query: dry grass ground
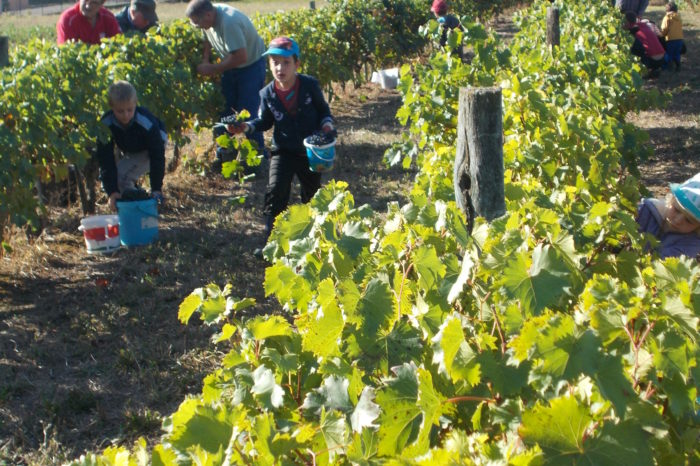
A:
674	131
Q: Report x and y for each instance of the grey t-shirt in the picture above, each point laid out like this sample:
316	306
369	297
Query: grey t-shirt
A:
232	30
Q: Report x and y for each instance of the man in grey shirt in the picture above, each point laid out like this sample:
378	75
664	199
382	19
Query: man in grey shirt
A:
234	38
638	7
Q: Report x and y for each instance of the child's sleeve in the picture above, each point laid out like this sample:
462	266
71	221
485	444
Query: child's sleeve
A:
664	26
324	111
156	152
265	118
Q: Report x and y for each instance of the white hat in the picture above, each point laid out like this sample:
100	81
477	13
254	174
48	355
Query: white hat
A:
688	195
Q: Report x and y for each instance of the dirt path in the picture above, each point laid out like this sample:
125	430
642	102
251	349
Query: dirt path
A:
674	132
90	346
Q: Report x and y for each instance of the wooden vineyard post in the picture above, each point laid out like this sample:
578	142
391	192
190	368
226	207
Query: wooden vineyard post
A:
552	26
312	5
478	167
4	50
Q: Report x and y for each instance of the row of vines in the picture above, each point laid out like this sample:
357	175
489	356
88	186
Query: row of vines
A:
51	98
548	336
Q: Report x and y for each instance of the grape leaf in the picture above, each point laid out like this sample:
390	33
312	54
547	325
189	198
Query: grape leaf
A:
431	405
188	306
540	285
375	308
291	289
332	435
558	428
446	344
366	411
322	328
332	395
430	269
400	418
262	327
269	392
196	424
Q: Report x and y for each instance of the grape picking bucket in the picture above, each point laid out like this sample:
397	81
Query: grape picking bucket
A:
138	222
101	233
320	157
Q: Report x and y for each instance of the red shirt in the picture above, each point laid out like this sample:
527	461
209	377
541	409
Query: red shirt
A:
73	25
651	43
289	97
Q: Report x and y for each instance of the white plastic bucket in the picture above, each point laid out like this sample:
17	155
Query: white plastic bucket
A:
101	233
388	78
320	157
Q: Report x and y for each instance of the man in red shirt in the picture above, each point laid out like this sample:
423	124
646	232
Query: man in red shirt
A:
87	21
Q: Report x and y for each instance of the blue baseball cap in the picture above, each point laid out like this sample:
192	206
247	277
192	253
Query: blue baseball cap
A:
283	46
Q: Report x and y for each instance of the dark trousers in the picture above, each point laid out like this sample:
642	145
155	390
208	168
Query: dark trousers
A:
673	51
283	167
638	50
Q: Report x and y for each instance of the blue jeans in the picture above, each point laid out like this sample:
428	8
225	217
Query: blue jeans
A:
673	51
241	90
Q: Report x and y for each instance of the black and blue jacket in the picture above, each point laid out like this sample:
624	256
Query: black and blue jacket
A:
289	133
144	132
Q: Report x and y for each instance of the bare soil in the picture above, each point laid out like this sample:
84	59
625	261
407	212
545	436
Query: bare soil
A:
91	352
674	131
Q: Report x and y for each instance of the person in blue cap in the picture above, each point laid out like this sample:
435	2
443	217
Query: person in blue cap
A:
674	221
232	35
294	104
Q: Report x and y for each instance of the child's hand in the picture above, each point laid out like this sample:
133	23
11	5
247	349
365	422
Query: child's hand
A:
327	128
113	200
237	128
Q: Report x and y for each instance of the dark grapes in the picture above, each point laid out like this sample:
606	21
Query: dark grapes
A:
319	138
230	119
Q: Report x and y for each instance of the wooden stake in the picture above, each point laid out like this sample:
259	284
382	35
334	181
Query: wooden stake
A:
478	167
553	26
4	50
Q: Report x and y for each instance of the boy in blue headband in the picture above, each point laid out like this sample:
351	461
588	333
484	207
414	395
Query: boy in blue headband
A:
294	104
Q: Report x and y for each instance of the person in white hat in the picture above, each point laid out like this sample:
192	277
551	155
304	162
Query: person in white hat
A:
675	221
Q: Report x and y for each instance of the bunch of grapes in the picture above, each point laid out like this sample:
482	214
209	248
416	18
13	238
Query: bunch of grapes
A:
319	138
230	119
134	194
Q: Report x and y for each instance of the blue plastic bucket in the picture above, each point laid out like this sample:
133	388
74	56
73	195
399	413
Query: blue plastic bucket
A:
320	157
138	222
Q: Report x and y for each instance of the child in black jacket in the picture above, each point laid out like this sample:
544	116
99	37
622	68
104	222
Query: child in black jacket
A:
294	104
140	140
